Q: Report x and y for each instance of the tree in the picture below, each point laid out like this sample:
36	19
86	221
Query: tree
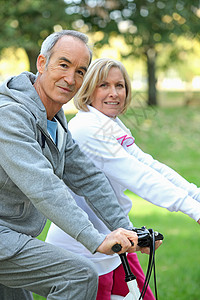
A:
144	24
26	23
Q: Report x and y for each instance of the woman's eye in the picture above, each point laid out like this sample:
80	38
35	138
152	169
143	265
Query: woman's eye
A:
120	85
103	84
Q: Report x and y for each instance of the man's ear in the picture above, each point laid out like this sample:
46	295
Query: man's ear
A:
41	63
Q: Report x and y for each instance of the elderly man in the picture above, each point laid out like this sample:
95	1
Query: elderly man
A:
38	161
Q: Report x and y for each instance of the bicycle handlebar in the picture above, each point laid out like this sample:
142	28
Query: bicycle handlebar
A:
144	238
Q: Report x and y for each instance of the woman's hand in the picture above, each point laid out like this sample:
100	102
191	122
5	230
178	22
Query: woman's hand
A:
147	249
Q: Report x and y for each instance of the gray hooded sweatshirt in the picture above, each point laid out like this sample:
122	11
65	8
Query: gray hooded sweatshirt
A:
35	174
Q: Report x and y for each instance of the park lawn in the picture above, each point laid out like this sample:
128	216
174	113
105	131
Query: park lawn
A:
170	135
177	260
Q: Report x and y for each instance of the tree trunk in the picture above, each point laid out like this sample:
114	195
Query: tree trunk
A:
32	56
151	60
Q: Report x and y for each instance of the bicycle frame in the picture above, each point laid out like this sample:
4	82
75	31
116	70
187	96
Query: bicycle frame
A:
134	292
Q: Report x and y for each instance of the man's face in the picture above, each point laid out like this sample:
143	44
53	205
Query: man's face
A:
61	79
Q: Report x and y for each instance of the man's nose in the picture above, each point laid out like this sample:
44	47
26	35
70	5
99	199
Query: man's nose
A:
70	78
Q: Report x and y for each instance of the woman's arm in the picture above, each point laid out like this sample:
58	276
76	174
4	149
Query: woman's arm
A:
167	172
100	144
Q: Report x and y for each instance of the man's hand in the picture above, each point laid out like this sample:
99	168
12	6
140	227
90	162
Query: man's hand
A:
120	236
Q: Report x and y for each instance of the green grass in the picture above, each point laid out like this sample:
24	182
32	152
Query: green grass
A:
177	260
172	136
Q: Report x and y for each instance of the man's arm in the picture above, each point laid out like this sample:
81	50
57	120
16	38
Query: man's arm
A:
32	177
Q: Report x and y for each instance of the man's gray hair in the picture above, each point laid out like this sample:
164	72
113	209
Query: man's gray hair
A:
51	40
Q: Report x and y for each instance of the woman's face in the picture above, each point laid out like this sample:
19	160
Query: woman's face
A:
109	95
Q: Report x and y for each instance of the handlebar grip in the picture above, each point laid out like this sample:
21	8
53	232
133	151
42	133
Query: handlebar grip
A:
116	248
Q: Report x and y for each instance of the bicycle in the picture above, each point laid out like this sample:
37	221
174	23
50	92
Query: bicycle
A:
146	238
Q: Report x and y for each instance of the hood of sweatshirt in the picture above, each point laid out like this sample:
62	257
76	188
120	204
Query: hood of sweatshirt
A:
20	89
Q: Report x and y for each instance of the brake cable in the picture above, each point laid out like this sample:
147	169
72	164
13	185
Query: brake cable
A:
151	265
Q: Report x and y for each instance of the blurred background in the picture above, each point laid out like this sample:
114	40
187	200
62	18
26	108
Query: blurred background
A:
159	43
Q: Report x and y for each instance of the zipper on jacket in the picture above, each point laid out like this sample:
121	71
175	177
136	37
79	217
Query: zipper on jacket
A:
44	137
43	140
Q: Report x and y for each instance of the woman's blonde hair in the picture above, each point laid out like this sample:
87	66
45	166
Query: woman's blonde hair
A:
96	73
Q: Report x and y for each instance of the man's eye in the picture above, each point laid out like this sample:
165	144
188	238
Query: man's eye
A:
64	66
80	72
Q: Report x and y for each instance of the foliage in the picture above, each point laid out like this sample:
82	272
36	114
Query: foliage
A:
145	26
26	23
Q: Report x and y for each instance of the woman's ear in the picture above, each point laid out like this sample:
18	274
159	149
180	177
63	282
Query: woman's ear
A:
41	63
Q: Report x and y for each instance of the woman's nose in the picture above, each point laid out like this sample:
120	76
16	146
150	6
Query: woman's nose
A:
113	92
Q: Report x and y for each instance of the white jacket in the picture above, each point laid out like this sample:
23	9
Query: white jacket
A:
112	148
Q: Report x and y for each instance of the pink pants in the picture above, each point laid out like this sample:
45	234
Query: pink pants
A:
113	283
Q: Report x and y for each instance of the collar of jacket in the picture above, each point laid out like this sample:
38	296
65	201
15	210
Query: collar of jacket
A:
20	88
